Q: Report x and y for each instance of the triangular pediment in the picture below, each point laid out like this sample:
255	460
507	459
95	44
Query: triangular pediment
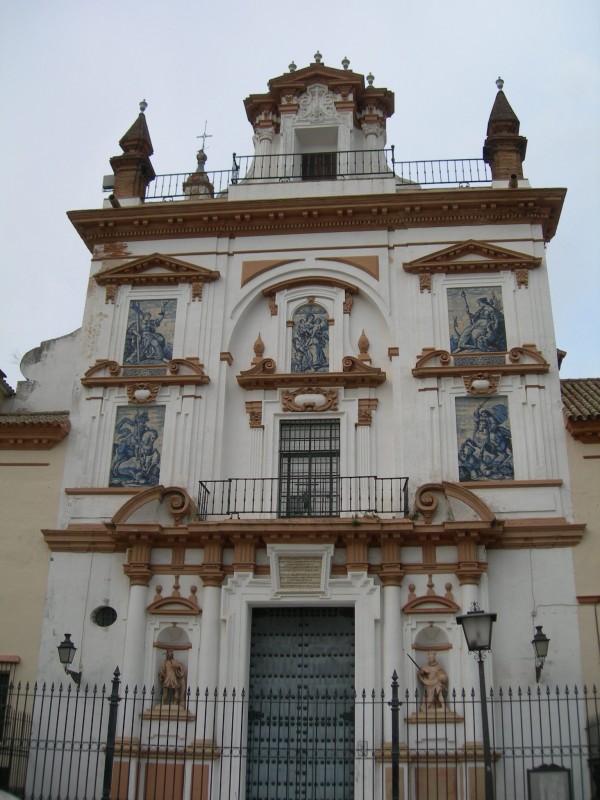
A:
472	256
155	270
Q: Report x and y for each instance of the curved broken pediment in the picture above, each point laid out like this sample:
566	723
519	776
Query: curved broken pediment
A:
179	504
473	508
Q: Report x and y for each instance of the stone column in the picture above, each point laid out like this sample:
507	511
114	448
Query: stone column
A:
264	167
391	576
210	639
138	571
208	665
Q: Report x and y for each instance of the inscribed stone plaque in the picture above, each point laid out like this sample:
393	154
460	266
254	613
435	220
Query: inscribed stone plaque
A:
300	573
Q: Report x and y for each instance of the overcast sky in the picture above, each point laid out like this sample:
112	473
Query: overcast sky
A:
73	73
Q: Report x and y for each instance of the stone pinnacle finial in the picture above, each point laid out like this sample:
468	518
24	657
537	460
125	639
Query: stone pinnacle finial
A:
370	78
345	62
318	57
292	67
499	84
143	106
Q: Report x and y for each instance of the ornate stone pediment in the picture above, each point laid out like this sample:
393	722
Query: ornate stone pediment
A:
472	257
155	270
264	375
524	360
147	378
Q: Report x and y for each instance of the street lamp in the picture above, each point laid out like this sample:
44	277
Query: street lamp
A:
66	653
477	627
540	644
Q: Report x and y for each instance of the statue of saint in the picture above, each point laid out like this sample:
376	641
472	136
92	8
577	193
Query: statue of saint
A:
435	683
172	679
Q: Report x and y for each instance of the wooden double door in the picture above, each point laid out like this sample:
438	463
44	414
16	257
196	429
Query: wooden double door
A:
301	701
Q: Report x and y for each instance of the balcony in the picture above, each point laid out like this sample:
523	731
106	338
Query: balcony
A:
329	166
321	496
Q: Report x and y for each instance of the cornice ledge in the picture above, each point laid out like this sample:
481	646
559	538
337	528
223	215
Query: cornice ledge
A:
539	532
81	538
419	208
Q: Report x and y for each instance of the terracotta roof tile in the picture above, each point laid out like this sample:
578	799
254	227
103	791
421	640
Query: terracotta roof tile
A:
581	398
35	418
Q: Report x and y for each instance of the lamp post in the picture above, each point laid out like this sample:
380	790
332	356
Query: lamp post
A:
477	627
66	653
540	644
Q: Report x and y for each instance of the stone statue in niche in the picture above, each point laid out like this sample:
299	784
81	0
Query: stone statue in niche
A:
172	680
435	684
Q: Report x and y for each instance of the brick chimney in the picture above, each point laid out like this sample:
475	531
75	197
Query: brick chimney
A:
503	149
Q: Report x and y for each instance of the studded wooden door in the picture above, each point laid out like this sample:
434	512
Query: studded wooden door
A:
301	705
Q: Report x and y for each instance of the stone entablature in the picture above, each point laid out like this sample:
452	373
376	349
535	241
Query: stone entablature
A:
410	209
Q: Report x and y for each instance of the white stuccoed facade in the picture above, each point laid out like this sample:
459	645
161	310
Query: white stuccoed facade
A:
374	256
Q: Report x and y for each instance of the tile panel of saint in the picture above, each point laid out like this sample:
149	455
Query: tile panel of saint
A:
137	446
150	329
484	439
310	339
476	320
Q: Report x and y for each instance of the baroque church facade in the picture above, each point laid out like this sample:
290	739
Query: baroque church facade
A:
317	416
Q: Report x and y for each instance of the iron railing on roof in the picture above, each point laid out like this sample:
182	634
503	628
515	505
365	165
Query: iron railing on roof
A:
319	496
339	165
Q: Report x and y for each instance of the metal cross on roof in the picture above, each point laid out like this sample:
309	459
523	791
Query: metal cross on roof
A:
204	136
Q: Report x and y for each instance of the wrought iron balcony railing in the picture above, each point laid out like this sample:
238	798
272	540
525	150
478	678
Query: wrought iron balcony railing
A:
339	165
321	496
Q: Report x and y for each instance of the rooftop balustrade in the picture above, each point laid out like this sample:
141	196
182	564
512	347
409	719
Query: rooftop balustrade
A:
331	166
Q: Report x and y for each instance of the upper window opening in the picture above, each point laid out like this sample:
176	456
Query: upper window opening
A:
317	166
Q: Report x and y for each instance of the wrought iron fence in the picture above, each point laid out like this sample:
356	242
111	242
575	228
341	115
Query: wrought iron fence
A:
65	742
303	497
339	165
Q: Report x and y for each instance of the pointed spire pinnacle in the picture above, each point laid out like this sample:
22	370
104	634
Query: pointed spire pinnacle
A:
133	169
504	150
502	117
137	139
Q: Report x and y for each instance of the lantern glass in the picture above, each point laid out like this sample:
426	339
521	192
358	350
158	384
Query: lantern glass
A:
540	643
66	651
477	627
